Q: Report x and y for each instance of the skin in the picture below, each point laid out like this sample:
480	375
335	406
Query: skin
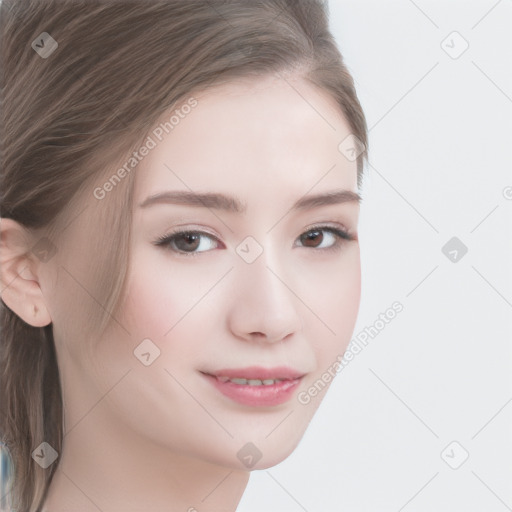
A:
161	435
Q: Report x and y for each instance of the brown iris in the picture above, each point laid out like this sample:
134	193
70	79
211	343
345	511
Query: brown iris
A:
312	236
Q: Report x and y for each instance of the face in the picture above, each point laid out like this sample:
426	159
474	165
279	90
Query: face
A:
254	280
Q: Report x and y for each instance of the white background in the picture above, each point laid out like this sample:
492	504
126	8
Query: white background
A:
440	159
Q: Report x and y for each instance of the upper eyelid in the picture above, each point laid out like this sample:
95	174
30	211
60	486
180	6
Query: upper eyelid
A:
325	224
334	225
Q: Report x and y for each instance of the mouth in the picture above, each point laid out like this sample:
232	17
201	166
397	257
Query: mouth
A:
256	386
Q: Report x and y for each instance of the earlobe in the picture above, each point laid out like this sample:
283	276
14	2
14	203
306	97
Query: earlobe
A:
19	281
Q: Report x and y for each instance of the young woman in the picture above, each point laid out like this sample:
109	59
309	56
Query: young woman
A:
180	267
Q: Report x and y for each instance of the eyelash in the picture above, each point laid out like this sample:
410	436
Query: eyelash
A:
166	240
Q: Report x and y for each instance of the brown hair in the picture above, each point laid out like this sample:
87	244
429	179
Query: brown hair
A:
66	118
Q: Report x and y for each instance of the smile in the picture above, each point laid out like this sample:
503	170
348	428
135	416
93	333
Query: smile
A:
256	386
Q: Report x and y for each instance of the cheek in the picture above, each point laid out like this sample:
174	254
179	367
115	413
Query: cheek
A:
152	307
147	311
164	299
333	297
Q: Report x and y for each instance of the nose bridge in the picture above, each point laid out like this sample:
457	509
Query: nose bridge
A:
261	276
264	303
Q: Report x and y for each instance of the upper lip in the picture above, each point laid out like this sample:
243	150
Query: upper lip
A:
259	372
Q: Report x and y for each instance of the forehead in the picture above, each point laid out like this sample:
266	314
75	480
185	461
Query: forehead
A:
249	136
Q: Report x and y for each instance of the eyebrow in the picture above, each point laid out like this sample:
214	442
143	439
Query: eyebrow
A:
234	205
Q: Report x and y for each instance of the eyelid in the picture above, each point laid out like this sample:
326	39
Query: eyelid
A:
333	225
188	228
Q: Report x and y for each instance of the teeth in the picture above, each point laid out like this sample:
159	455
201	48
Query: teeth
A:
239	381
250	382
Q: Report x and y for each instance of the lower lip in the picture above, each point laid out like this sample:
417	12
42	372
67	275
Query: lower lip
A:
254	396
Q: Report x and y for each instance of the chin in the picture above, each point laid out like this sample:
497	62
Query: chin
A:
272	460
252	452
276	448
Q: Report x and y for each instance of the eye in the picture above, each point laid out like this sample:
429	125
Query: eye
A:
188	243
317	239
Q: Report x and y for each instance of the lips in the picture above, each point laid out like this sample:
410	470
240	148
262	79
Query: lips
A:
256	386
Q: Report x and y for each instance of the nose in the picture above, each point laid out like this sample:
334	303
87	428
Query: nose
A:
263	306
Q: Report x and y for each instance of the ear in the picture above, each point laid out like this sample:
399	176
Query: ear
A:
19	284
